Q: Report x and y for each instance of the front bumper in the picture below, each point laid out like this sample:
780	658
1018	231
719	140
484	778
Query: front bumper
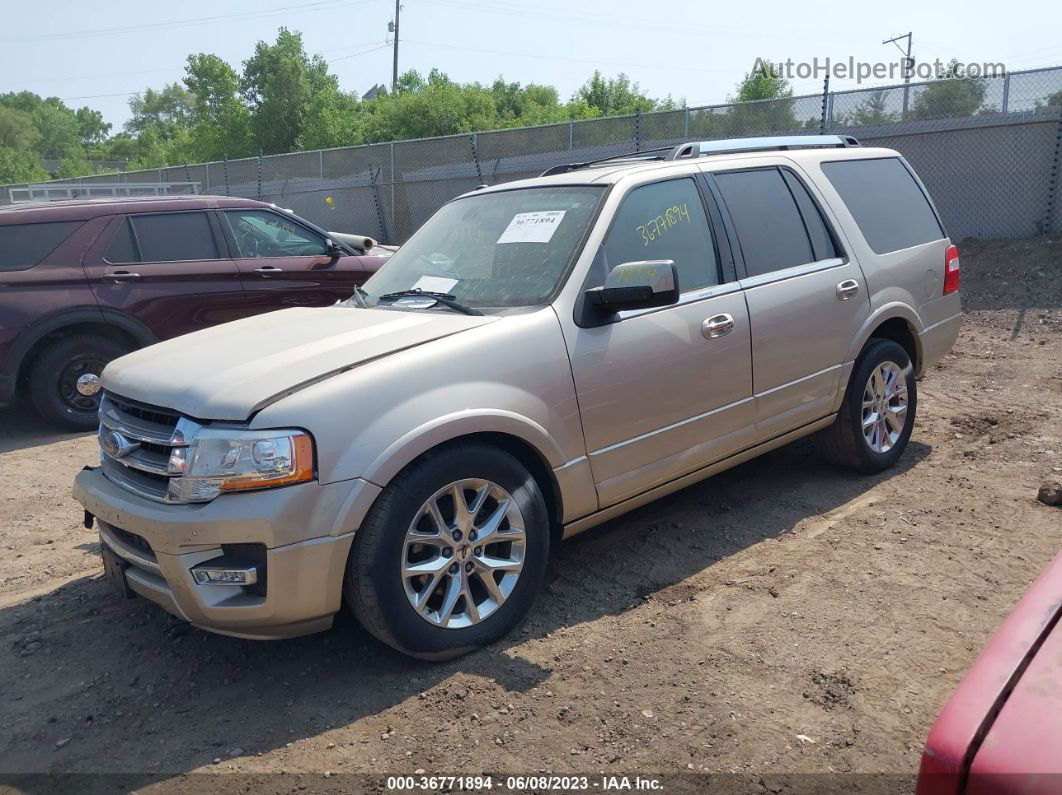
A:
307	531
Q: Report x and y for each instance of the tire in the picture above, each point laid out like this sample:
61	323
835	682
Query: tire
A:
53	380
844	443
377	588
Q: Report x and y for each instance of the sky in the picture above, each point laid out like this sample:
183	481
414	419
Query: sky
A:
99	53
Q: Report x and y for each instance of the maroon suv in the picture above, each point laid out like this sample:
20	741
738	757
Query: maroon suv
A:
83	282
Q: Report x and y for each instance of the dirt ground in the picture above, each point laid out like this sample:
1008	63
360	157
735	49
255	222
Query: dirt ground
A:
781	617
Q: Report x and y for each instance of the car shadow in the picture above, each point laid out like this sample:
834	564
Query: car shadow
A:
92	683
22	429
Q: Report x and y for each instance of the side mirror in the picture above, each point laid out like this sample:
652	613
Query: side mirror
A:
637	285
334	250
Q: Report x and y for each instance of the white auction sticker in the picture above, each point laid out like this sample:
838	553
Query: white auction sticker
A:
537	227
434	284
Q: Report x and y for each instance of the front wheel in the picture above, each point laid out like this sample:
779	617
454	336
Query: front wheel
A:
452	553
877	416
64	381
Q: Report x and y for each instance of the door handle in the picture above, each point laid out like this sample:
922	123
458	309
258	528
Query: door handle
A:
847	289
268	270
717	326
122	276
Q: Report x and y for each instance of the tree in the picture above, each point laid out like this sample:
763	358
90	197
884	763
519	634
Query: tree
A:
20	165
167	110
16	129
58	130
221	123
280	83
769	107
951	97
615	96
92	129
872	111
1055	100
438	107
331	118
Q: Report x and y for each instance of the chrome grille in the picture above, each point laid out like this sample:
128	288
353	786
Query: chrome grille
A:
154	431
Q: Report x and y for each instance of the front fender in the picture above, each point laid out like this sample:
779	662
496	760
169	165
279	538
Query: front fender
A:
452	426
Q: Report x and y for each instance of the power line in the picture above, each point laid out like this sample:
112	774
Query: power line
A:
540	56
554	14
143	90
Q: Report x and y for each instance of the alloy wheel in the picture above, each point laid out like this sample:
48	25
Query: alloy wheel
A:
884	407
463	553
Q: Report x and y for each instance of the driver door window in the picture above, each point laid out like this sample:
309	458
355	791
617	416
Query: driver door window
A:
260	234
665	220
283	264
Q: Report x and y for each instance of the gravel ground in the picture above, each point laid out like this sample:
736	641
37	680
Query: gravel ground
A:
781	617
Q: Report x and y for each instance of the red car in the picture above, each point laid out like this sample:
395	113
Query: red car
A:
83	282
1001	732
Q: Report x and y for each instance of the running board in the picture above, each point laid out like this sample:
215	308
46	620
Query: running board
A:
620	508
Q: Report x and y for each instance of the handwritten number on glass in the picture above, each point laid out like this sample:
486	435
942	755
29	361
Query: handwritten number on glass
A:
655	227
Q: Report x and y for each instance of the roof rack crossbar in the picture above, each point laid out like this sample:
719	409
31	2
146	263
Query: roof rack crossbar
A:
763	144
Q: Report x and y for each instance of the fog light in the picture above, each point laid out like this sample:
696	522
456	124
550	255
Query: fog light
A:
216	575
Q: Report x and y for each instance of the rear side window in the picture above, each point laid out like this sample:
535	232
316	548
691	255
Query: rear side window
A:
665	220
123	245
163	237
769	225
889	207
24	245
821	242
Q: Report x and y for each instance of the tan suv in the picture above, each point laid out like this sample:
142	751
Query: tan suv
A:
540	357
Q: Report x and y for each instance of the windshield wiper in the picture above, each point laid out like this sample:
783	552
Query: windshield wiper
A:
357	299
446	299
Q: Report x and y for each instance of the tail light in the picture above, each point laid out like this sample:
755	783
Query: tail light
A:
951	270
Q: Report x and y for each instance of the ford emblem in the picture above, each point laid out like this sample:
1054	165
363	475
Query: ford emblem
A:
117	446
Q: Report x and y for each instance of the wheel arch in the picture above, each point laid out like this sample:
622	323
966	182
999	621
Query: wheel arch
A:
524	440
86	320
896	322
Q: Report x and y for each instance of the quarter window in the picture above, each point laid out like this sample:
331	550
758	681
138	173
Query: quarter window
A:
665	220
24	245
769	224
260	234
889	207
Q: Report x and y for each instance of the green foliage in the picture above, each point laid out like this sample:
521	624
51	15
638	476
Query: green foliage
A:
16	129
221	123
284	100
617	96
92	129
951	97
280	83
770	108
871	111
58	130
20	165
168	110
1054	100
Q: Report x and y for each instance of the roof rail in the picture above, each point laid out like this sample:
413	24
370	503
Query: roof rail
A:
763	144
645	154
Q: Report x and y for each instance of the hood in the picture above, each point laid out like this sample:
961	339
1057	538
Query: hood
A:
230	371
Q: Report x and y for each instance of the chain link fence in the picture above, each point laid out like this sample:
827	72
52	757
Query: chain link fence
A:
987	149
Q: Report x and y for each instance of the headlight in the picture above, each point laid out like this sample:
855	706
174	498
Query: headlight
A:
228	459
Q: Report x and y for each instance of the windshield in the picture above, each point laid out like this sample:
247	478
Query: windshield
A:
505	249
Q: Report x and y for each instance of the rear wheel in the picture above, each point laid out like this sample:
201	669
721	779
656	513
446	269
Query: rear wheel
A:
452	553
877	416
64	381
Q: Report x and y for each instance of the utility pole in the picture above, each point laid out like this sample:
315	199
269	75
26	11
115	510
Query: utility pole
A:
394	71
908	67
